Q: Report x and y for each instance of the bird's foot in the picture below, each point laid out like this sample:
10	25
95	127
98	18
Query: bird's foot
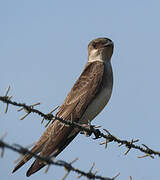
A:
91	129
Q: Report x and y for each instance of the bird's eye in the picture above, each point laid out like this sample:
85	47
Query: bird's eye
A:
94	44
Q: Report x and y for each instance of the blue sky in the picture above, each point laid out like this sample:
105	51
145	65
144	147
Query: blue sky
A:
43	49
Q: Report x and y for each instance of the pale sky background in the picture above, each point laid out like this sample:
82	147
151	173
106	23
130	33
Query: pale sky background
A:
43	49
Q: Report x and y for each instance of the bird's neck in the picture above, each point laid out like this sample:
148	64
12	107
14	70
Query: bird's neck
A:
94	55
95	58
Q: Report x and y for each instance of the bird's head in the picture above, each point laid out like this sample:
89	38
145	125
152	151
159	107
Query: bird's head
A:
100	49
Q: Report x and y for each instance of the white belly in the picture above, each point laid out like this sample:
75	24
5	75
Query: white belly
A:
102	97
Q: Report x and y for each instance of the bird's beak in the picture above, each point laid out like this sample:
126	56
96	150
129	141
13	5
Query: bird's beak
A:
108	44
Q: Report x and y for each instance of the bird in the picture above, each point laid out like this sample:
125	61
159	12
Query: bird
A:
87	98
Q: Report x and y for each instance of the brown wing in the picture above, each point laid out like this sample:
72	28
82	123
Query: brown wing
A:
58	136
83	91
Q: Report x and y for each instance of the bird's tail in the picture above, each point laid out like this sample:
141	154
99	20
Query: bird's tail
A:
36	149
50	151
51	143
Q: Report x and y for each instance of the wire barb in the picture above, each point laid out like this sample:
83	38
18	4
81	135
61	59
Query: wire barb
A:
27	110
67	168
129	146
50	113
8	98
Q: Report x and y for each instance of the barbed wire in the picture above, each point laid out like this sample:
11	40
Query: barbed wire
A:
85	129
89	130
68	166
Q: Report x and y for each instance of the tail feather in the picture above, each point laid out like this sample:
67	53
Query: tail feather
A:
52	142
36	166
50	150
36	149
